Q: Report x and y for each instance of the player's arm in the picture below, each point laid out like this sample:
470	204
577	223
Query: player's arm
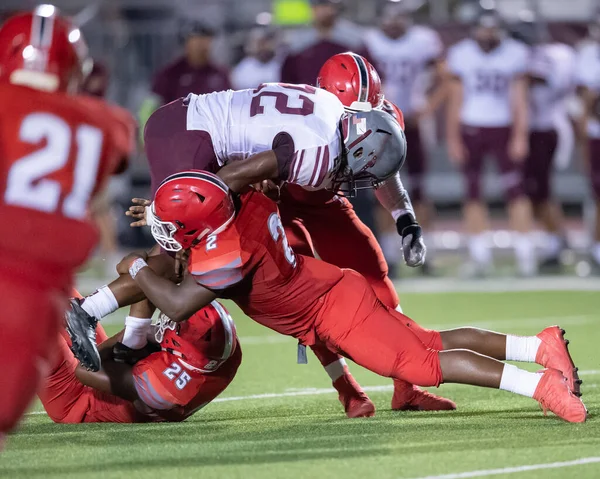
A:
272	164
519	145
393	197
456	149
177	301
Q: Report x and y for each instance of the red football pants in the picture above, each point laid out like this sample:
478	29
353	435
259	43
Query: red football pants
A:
66	400
30	314
327	223
357	325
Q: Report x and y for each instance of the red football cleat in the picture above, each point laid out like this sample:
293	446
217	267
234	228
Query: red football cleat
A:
554	395
408	397
554	353
356	403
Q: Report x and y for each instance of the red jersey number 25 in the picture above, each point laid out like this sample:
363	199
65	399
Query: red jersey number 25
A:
27	182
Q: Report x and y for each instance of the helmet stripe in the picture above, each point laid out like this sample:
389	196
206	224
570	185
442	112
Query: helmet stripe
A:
42	29
200	175
364	77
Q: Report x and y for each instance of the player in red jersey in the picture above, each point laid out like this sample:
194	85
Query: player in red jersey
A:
56	151
183	367
327	223
238	250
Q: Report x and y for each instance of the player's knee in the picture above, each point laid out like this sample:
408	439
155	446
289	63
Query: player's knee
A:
419	369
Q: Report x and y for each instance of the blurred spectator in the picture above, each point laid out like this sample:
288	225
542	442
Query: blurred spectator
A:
588	80
551	82
262	63
311	47
487	114
192	72
409	57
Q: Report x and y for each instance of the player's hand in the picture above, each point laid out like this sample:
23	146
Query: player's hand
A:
413	246
269	189
138	211
123	266
457	151
518	148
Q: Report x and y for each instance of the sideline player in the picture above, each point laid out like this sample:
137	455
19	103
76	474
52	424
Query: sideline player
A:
238	250
186	365
301	124
487	114
57	150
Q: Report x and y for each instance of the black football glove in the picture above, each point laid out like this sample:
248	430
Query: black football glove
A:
127	355
413	246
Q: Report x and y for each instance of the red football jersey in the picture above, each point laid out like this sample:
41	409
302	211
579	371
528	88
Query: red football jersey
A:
56	151
393	110
252	264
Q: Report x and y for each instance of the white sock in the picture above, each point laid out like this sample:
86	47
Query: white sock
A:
553	245
100	303
525	253
519	381
522	348
479	251
336	369
596	251
136	332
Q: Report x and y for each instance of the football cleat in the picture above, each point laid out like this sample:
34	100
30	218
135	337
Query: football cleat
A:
408	397
82	331
554	353
356	403
554	395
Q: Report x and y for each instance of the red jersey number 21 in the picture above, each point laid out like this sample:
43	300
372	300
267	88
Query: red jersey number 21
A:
27	185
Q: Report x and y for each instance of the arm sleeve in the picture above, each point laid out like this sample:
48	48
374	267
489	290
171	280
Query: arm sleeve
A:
310	167
394	198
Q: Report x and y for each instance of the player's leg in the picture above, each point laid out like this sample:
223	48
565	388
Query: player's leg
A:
537	172
29	331
355	402
377	338
475	210
594	169
520	212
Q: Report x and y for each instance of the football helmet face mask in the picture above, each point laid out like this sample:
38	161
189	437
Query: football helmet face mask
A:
374	149
353	80
203	342
188	207
43	50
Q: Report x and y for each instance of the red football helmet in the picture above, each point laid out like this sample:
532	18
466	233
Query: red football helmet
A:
44	51
203	342
188	207
353	80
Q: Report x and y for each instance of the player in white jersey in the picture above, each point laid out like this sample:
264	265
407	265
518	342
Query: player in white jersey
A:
410	60
551	136
587	77
262	63
487	114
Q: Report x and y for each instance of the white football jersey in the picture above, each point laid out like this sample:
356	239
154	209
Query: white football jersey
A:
548	101
245	122
250	73
403	63
487	79
587	74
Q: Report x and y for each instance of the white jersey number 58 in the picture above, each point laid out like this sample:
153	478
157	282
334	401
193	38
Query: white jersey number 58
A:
27	185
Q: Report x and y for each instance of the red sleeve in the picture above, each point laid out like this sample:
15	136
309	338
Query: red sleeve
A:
219	265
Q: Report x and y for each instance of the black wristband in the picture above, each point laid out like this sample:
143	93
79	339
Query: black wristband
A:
405	221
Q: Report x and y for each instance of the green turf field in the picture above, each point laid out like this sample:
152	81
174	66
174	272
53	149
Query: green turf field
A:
281	420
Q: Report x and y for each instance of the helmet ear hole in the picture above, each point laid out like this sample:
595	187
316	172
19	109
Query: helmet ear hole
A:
358	153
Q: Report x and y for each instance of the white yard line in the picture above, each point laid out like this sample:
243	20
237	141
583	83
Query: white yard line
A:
309	392
514	470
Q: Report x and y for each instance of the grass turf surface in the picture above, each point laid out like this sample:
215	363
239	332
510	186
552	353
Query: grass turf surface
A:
305	433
